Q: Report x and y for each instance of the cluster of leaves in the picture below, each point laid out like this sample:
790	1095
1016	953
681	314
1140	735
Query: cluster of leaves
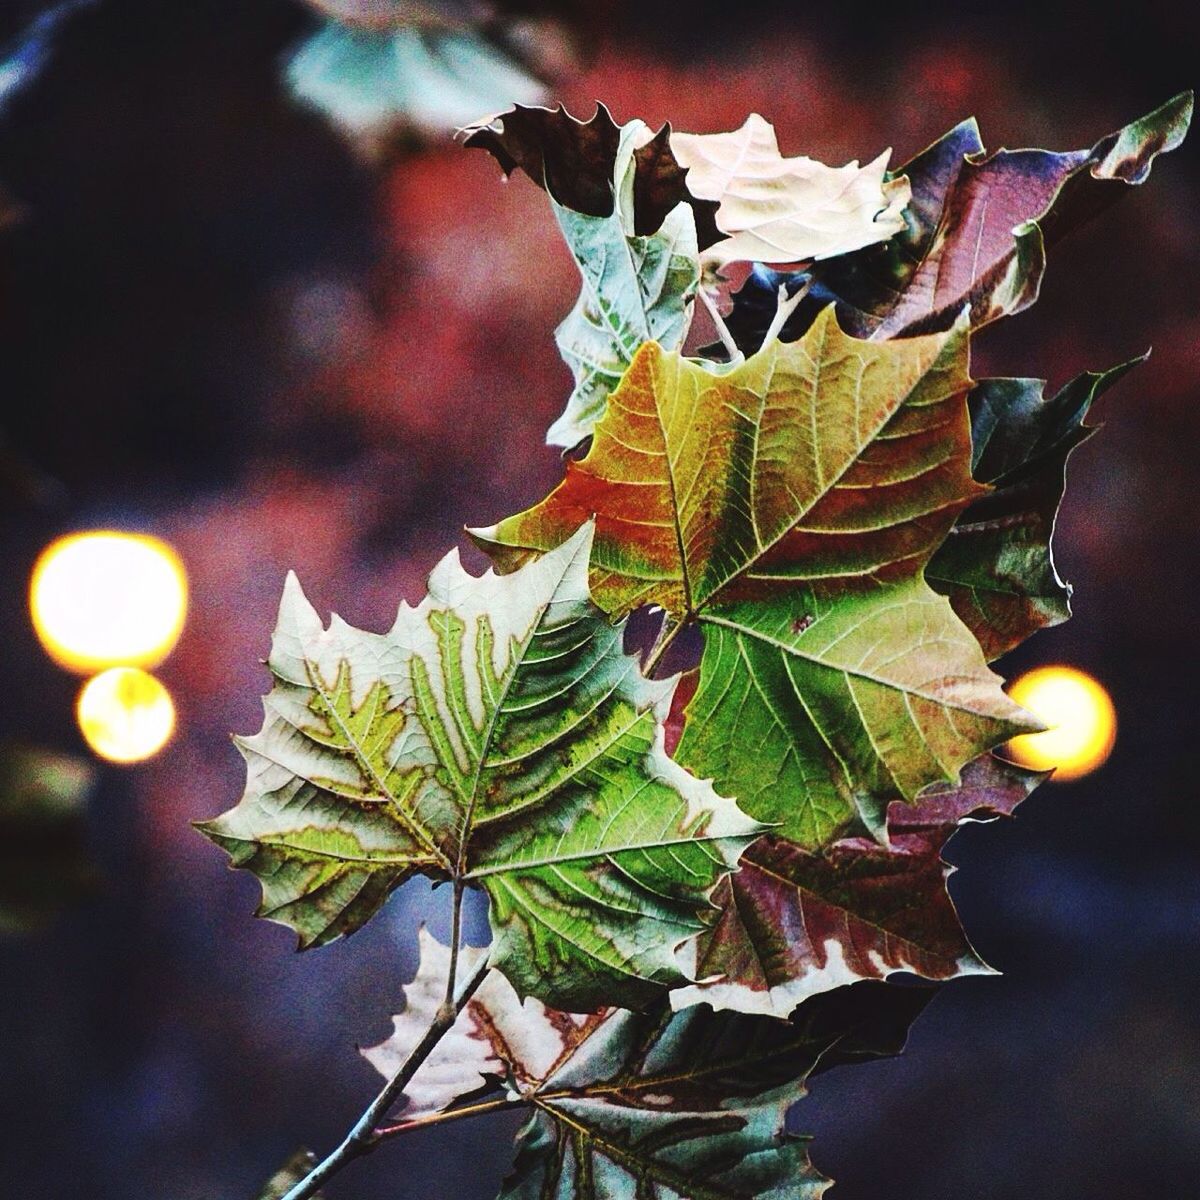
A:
384	71
851	527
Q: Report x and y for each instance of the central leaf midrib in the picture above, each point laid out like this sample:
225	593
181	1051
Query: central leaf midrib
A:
677	523
612	1088
516	661
857	673
764	548
511	868
360	755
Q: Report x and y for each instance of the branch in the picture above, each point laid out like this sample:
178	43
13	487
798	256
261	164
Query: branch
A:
364	1137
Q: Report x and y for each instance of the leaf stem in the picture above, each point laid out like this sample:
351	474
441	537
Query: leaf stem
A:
455	943
364	1135
722	329
669	631
455	1114
785	305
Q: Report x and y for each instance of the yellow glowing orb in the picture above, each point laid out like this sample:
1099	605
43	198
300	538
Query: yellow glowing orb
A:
125	714
103	599
1082	719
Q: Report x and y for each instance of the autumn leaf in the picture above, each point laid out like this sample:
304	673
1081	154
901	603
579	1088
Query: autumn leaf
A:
576	163
619	199
785	210
692	1104
499	736
789	505
795	923
996	566
977	229
665	1105
827	459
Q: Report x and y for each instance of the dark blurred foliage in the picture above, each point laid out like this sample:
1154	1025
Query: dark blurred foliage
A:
216	324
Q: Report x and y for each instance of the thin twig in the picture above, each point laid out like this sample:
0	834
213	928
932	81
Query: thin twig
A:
363	1137
718	321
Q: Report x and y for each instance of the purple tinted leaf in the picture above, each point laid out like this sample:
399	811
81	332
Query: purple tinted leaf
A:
977	232
795	923
996	567
574	161
694	1103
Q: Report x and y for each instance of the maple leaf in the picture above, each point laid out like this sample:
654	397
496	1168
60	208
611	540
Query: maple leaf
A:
788	505
795	923
773	209
996	566
829	458
499	736
635	290
851	701
639	275
379	80
665	1105
977	229
576	162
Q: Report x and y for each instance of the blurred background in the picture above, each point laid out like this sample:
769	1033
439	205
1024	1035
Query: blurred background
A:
280	334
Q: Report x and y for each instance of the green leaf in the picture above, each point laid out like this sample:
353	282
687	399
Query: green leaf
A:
851	700
996	566
497	735
978	228
656	1105
377	84
637	287
795	923
44	862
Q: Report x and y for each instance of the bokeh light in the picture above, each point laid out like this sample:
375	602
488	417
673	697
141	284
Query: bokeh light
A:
125	714
103	598
1081	715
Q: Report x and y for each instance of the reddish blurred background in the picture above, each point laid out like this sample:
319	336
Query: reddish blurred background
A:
218	324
